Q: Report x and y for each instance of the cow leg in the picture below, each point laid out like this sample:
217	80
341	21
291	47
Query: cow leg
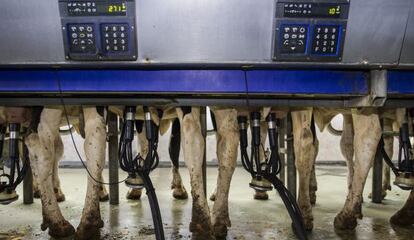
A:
313	186
305	154
227	147
179	191
103	193
60	197
94	145
193	148
135	193
262	195
405	216
36	190
41	148
367	131
389	149
347	148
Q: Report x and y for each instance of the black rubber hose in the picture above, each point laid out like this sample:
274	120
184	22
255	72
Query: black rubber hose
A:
155	209
175	142
387	159
291	206
406	147
13	149
2	133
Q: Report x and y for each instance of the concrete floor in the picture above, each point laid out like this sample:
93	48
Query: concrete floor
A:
250	219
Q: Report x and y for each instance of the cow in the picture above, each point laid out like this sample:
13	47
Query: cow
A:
45	149
204	225
179	191
366	132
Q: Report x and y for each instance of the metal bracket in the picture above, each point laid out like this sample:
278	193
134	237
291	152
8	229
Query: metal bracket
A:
377	96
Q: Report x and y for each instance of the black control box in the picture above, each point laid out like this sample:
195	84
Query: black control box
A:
99	30
310	31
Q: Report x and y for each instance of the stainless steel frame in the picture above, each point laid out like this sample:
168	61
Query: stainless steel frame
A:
208	33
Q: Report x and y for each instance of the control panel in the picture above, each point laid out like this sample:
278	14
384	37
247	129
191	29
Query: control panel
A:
99	30
309	31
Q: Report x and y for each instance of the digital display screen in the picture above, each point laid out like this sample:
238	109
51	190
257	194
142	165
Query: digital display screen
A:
320	10
97	8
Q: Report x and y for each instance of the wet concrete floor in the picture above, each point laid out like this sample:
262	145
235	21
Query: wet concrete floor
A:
251	219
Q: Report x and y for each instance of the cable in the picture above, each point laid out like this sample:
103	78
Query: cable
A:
74	143
247	89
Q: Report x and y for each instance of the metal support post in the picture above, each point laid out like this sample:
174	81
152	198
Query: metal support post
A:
376	191
28	179
113	158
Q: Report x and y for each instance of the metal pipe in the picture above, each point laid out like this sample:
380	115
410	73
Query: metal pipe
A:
28	179
113	158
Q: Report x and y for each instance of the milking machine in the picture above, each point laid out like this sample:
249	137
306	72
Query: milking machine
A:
266	171
139	167
404	171
12	169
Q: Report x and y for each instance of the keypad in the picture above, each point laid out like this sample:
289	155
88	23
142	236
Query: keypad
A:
325	39
294	38
115	38
82	38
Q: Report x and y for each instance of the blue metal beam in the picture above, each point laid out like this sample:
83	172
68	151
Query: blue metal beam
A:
401	82
307	82
28	81
163	81
321	82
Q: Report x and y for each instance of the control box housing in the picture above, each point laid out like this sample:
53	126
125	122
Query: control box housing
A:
98	29
310	31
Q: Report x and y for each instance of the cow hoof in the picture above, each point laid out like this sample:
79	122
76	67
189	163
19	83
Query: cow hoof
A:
104	197
402	218
201	229
36	194
180	193
60	197
220	227
308	224
89	230
261	195
220	231
59	230
134	194
213	197
202	236
345	221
